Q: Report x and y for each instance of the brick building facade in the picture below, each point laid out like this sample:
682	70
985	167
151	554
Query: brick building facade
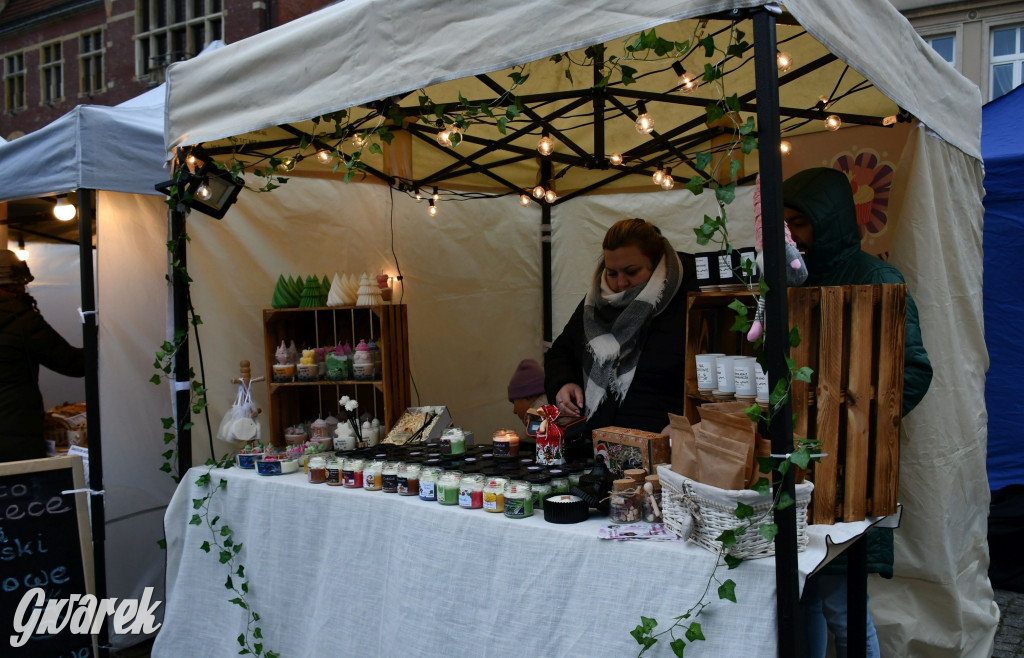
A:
56	54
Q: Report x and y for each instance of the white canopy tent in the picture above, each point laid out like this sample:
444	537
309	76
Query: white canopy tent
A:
268	88
115	152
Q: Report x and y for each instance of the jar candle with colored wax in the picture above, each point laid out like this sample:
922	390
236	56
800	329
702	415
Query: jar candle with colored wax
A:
334	472
317	470
505	443
352	473
518	499
448	487
409	479
471	491
541	487
453	441
389	477
428	483
559	481
373	474
494	494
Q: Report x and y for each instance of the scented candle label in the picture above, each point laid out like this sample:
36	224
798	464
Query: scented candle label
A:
465	498
518	508
703	272
493	502
333	476
428	491
502	449
371	481
347	477
447	495
389	482
725	266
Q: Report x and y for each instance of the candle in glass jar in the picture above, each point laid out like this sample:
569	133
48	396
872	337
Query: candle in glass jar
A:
352	473
334	472
494	495
518	499
471	491
317	470
373	474
409	480
506	443
389	477
448	487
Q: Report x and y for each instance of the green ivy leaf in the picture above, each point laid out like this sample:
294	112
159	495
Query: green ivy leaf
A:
228	584
241	640
205	547
733	103
703	159
803	374
225	557
257	633
203	480
225	530
239	602
749	144
195	520
162	543
753	412
726	193
258	648
501	124
627	74
748	127
198	502
693	633
709	45
741	324
155	379
801	457
728	538
732	561
375	148
738	306
785	500
779	393
166	468
743	511
245	587
678	646
734	167
768	531
168	437
713	112
727	591
794	337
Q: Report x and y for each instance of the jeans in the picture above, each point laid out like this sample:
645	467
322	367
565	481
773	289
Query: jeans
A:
824	603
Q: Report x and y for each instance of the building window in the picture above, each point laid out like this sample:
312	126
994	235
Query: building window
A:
51	72
1007	60
90	62
945	45
169	31
14	82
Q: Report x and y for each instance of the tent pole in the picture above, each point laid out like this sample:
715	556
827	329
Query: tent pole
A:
90	344
182	390
545	247
787	585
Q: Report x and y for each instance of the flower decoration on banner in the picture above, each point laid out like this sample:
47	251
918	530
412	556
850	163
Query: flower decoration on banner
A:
871	181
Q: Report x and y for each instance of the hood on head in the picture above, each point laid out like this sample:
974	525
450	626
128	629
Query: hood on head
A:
825	197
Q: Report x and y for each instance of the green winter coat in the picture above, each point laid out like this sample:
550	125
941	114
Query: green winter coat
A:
26	342
835	259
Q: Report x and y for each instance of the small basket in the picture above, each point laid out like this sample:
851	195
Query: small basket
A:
705	512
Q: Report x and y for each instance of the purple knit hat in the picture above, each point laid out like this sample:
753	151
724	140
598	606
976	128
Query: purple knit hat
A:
527	381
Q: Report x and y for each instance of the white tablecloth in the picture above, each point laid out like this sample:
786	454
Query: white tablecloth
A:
335	571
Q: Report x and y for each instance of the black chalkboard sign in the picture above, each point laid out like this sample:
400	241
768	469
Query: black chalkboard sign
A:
44	543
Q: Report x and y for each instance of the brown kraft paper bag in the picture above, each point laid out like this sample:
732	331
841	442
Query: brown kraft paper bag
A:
735	426
721	462
684	449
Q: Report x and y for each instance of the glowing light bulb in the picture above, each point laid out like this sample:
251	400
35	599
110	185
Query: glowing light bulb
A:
419	195
357	141
785	147
615	158
444	137
544	146
21	253
658	176
64	210
324	156
550	196
191	160
686	84
538	192
833	122
784	62
524	199
667	182
203	192
285	164
644	124
436	196
824	101
432	210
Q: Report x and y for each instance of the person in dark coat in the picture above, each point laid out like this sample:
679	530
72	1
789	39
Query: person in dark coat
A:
822	218
620	359
26	342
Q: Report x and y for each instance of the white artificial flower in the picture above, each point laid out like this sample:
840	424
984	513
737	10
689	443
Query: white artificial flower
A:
351	405
344	401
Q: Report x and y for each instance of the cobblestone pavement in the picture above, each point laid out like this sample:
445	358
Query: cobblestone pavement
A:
1010	635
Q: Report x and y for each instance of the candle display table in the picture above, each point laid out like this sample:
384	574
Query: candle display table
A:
335	571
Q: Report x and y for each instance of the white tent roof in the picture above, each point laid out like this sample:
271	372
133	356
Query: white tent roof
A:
359	51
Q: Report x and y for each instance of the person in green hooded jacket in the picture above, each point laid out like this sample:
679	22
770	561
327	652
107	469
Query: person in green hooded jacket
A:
822	219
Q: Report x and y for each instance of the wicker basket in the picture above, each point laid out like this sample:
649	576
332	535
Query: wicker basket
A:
705	512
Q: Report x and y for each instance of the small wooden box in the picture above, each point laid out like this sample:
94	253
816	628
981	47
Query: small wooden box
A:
629	448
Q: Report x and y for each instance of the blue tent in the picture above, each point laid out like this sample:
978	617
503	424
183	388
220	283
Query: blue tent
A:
1002	146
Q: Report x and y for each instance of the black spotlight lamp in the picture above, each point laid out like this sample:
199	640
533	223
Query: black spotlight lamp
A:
211	190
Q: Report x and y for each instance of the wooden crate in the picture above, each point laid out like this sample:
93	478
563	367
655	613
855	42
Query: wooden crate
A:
385	398
853	339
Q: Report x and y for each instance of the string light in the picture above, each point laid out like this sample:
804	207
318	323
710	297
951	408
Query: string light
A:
686	84
823	102
419	195
191	160
432	210
550	195
538	192
203	192
357	141
784	61
833	122
644	122
436	196
785	147
615	158
324	156
286	164
21	252
524	199
667	182
658	176
545	146
64	210
444	135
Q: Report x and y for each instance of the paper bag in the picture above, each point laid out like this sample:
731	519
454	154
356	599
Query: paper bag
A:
721	462
684	449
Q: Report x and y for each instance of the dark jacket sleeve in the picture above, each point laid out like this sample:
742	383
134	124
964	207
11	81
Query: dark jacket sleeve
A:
48	348
563	362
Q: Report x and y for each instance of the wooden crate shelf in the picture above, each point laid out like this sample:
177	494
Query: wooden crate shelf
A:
295	402
853	340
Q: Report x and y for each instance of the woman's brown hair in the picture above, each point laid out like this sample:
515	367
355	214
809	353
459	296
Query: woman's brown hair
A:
635	232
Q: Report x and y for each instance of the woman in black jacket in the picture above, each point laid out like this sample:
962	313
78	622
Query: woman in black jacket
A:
26	341
620	359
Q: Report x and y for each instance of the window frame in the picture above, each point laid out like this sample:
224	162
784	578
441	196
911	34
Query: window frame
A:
1016	59
17	77
955	30
155	47
54	67
88	60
